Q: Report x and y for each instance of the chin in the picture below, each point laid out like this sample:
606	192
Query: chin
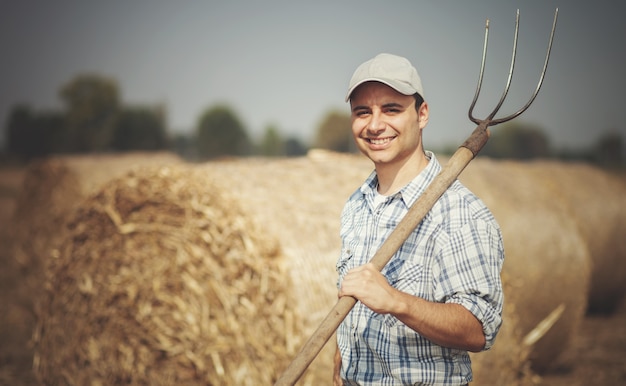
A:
379	159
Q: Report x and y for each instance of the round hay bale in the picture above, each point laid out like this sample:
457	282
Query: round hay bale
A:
547	262
162	279
51	188
596	199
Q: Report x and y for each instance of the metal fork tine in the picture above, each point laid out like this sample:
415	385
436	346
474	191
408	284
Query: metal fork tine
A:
508	81
543	74
480	77
490	121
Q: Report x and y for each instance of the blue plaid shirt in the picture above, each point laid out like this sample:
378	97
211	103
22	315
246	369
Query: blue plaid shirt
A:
455	255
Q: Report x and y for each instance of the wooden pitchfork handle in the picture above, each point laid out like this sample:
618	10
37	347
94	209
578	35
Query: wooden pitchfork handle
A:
449	173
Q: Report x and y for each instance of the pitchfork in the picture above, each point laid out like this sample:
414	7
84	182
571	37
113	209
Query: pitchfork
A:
449	173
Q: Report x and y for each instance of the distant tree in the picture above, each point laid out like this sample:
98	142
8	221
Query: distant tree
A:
220	133
517	141
140	128
294	147
92	105
271	144
18	130
335	133
31	134
608	150
52	135
184	145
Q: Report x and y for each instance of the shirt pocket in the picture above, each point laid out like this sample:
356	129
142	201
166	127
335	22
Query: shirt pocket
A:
410	279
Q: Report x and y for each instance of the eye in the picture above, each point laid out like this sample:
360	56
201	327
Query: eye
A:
392	108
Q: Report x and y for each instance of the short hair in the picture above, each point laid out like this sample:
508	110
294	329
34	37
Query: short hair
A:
418	101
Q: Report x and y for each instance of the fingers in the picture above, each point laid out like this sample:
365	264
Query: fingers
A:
362	276
369	286
356	279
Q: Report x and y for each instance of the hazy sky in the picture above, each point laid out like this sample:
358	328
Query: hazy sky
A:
286	63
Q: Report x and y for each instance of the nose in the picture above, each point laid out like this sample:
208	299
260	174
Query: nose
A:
376	123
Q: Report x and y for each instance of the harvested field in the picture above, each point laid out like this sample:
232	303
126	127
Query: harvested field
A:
294	205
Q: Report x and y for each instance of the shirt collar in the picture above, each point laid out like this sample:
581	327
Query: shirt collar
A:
411	191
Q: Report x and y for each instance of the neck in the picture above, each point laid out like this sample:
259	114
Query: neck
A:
393	177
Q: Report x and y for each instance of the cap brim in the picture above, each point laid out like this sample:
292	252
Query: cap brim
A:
400	87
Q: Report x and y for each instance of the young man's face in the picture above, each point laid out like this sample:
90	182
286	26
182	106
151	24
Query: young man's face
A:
385	124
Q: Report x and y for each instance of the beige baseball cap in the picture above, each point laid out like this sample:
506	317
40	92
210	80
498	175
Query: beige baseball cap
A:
392	70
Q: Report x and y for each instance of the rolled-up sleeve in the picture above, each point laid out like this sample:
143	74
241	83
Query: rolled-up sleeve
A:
471	263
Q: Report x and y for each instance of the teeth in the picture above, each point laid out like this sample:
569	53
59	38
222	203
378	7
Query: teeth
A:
380	141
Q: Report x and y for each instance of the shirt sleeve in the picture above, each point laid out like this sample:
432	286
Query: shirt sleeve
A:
470	266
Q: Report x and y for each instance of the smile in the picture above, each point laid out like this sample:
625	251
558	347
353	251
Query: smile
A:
379	141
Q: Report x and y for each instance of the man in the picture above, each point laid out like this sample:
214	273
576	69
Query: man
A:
440	295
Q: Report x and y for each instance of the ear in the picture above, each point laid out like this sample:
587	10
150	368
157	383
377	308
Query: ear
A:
422	115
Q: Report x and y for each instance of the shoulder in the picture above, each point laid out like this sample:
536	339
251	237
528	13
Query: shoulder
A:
459	206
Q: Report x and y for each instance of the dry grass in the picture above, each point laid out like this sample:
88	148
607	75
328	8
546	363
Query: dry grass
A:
162	279
38	198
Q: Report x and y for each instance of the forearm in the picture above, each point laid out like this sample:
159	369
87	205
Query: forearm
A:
446	324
